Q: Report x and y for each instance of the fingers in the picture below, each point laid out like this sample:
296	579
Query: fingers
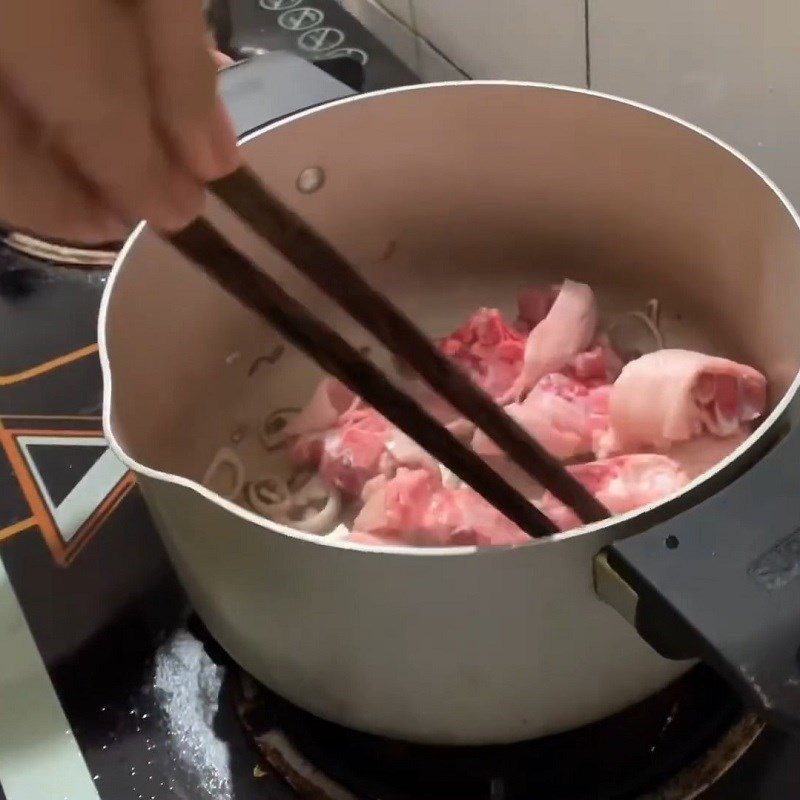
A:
91	95
126	100
221	60
182	76
39	196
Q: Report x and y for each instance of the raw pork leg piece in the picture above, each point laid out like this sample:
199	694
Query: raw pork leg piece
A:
568	329
676	395
621	484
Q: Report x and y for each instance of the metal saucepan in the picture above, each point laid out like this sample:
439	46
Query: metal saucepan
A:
449	197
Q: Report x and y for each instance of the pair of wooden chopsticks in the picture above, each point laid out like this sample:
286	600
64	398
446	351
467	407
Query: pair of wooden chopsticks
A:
288	233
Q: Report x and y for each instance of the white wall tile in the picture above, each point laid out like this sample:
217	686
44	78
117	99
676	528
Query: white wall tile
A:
398	37
431	66
398	8
540	40
393	33
732	67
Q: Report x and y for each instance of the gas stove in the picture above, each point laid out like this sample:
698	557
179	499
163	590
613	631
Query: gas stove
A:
111	689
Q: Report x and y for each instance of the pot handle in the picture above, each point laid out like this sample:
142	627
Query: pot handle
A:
274	85
721	582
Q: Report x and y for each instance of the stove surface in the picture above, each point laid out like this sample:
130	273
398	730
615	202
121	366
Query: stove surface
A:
111	690
106	694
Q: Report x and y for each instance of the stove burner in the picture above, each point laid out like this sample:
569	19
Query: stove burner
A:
672	746
68	255
695	779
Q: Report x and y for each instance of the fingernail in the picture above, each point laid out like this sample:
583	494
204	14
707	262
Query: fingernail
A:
221	60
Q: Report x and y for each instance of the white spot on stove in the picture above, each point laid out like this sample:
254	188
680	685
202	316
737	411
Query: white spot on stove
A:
755	686
187	685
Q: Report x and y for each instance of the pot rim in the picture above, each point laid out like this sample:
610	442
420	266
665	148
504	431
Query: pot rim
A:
268	525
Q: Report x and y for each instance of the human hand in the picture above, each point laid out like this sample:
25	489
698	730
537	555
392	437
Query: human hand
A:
108	114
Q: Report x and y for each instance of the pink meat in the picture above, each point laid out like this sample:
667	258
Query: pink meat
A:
600	363
533	306
488	350
402	450
329	401
352	452
360	445
306	450
699	455
438	408
568	329
674	395
414	508
570	391
563	414
621	484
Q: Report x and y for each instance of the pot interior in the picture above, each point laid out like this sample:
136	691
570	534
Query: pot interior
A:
449	198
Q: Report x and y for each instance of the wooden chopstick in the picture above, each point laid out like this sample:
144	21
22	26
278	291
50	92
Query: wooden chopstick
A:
202	244
288	233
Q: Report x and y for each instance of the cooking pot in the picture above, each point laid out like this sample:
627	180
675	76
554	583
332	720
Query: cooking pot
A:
449	197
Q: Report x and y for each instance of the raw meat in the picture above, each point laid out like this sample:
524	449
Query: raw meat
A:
621	484
563	414
329	401
568	329
534	305
566	385
351	454
414	507
322	412
360	445
675	395
438	408
698	455
488	350
600	363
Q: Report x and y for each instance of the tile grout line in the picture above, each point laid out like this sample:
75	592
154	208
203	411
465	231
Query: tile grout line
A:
418	37
587	51
412	18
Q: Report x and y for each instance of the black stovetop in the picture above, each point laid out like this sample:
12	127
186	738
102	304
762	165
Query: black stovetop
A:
109	689
149	702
